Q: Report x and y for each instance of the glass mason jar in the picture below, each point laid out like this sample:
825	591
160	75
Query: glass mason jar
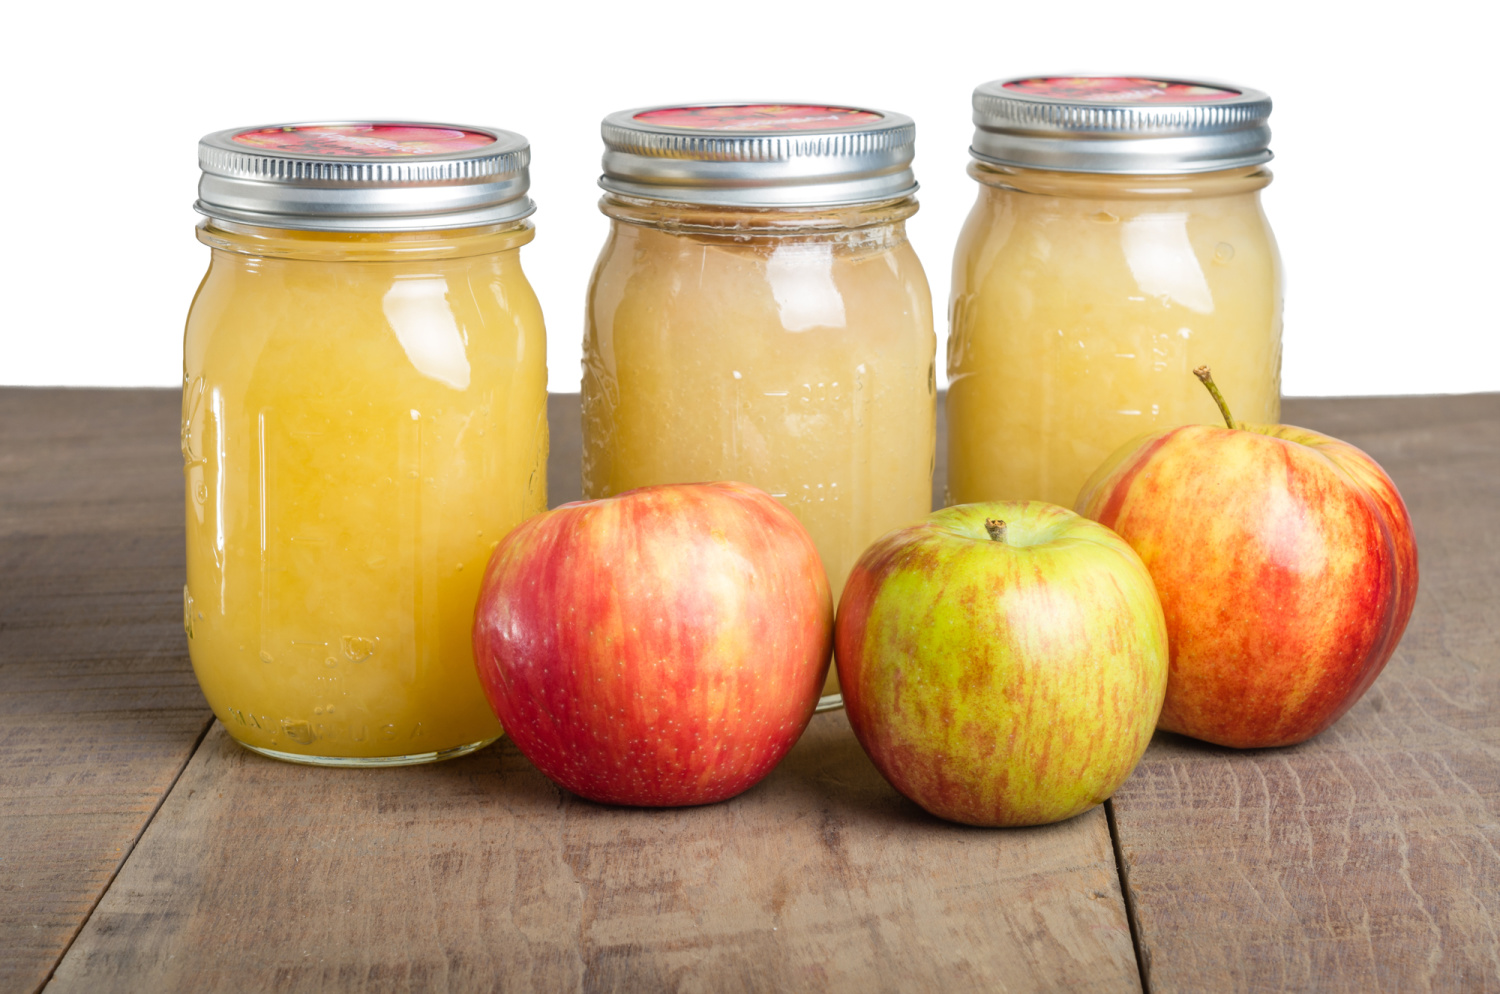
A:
757	314
364	417
1117	243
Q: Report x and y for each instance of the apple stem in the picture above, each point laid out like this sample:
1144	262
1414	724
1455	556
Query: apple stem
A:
1208	380
996	528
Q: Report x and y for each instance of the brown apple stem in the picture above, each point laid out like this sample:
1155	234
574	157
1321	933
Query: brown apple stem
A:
996	528
1208	380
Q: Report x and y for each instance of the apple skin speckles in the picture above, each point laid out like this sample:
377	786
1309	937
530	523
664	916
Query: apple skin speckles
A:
1286	565
1002	683
660	648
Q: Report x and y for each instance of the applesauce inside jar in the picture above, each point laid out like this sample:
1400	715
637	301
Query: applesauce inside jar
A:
364	417
785	345
1100	265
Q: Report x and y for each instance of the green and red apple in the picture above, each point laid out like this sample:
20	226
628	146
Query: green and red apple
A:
1002	664
663	647
1286	566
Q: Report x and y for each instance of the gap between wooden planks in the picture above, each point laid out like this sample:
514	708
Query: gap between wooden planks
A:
1368	859
1364	860
479	874
822	877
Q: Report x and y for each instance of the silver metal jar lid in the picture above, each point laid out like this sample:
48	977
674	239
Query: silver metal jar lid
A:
364	176
759	154
1120	124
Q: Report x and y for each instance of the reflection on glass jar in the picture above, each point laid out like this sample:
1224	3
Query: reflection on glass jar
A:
1085	293
789	347
364	417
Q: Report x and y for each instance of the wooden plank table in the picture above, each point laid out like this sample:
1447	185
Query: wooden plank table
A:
140	849
1367	859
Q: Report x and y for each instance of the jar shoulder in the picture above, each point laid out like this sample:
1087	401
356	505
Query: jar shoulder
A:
776	284
1112	248
258	319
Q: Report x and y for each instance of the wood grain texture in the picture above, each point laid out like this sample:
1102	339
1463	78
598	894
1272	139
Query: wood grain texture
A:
1367	859
99	711
565	455
478	874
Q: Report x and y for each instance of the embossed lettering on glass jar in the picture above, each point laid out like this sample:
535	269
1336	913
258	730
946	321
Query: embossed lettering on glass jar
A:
364	416
1117	242
757	314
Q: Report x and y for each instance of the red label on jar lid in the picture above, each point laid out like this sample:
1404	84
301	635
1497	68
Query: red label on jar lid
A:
1118	89
364	139
759	117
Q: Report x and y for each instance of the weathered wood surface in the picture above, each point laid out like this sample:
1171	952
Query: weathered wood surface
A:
99	711
479	874
565	459
1369	858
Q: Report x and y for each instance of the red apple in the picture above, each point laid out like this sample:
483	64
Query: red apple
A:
663	647
1286	565
1002	664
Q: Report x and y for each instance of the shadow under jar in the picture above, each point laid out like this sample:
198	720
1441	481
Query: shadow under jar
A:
757	314
364	417
1117	243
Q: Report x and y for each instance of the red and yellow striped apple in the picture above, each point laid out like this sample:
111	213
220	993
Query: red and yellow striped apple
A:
663	647
1286	565
1002	664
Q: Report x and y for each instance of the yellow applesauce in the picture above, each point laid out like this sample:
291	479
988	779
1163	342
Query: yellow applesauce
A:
1081	302
788	349
364	417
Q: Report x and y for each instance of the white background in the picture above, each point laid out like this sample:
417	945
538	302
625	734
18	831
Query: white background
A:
1384	129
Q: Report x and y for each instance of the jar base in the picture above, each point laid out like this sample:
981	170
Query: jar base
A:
364	762
829	702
